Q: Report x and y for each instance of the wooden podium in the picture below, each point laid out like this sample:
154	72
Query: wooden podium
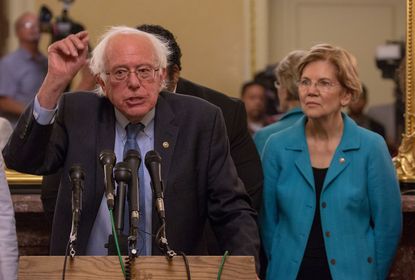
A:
154	268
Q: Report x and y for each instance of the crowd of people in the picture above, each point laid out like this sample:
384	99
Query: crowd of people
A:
302	186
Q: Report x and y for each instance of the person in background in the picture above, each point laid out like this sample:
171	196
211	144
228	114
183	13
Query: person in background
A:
253	96
267	78
22	72
8	240
200	177
5	132
332	205
242	147
287	84
356	110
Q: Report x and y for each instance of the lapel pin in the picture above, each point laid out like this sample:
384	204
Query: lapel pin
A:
166	145
342	160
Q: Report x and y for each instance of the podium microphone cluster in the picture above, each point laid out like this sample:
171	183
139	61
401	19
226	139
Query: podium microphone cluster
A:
77	177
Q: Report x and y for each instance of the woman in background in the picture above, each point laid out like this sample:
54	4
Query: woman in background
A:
332	206
287	84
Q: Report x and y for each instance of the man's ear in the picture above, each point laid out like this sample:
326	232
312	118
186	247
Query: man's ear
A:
101	83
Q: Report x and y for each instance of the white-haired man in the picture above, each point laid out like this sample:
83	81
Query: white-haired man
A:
200	178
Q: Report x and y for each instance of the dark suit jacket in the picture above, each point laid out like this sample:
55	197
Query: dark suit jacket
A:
200	178
243	151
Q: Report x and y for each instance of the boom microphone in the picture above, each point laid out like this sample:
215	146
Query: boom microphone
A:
107	159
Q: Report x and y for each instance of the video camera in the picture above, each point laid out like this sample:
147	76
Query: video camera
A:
389	57
62	26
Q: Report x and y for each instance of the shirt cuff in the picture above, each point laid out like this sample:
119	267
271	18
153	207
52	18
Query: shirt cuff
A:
43	116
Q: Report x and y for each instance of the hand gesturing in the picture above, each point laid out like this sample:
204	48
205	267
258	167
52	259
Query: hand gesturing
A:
66	57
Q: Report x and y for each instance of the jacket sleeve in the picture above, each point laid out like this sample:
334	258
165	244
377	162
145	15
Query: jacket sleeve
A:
385	205
232	218
245	156
34	148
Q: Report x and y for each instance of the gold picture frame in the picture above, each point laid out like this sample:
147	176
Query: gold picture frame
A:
405	160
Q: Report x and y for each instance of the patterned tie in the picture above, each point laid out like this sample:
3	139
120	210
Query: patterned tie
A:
131	144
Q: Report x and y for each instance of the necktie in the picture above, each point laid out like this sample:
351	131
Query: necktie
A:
131	144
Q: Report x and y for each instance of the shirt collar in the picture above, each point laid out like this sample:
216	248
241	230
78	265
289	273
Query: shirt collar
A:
123	121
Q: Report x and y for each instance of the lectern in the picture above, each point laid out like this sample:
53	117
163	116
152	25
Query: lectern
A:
153	267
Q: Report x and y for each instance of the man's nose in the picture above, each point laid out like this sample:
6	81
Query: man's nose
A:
133	80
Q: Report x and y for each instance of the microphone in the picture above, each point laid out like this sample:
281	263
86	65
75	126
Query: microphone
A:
107	159
122	174
77	176
153	164
133	160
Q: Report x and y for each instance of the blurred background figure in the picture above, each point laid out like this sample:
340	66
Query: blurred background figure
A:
22	72
5	132
8	240
253	94
267	78
356	111
390	58
289	104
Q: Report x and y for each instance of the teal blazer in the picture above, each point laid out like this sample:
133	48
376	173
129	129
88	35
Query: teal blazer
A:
360	204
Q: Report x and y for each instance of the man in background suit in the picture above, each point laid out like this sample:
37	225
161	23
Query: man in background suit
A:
200	178
242	147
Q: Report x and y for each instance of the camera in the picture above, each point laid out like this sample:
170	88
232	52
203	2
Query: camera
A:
62	25
389	57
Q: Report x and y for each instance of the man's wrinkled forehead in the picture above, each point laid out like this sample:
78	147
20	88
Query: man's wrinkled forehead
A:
129	49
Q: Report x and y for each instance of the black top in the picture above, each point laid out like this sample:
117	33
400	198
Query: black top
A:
314	264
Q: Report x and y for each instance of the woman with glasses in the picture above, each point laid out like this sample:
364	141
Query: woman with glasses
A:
331	206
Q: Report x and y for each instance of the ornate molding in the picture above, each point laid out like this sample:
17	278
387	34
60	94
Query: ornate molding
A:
405	160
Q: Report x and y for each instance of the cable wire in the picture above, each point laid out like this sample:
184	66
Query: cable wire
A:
64	261
186	264
114	233
222	264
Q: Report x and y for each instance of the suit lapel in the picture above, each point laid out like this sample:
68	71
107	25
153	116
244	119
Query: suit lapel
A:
302	158
341	158
165	134
303	165
105	140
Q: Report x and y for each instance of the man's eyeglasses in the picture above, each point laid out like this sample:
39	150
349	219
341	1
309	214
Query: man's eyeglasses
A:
322	84
143	73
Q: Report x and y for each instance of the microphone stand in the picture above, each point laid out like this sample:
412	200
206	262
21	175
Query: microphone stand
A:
122	174
162	242
77	176
153	164
133	160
